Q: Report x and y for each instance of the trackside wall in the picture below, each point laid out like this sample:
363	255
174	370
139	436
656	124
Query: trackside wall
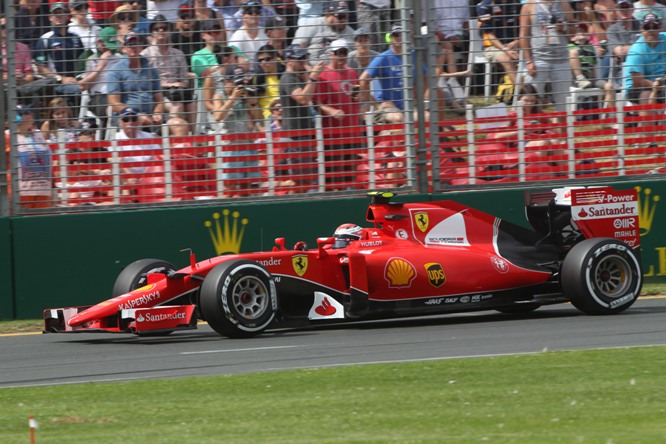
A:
74	259
6	278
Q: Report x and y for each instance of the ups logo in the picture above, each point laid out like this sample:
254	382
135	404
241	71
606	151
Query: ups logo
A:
436	275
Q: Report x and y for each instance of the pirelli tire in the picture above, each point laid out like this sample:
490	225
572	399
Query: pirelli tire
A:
238	299
601	276
135	274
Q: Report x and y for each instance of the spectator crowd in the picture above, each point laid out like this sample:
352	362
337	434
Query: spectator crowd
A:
87	70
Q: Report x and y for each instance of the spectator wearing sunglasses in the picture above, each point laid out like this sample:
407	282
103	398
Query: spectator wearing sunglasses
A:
332	26
124	19
337	99
130	129
297	88
268	71
213	36
187	34
234	20
82	25
172	67
134	83
56	54
645	65
250	36
276	30
142	26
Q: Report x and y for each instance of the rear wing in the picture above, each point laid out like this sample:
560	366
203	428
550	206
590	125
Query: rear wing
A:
595	211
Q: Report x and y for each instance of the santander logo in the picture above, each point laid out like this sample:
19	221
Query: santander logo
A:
325	309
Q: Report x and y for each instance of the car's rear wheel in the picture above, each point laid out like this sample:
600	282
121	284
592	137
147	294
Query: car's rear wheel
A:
601	276
135	274
238	299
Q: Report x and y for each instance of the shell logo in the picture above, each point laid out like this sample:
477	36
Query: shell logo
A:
399	273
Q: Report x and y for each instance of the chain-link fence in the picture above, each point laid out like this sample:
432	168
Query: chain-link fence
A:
138	103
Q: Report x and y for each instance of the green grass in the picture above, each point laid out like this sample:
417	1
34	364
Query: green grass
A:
604	396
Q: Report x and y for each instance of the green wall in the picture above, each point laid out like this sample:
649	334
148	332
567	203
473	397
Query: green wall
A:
73	259
6	278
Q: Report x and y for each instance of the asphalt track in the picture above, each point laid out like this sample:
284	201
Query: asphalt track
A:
57	359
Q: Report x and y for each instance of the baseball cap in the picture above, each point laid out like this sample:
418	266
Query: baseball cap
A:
236	74
338	44
624	4
126	112
337	7
24	109
159	19
210	25
360	32
186	10
274	22
396	29
59	5
136	40
295	52
650	19
86	127
109	36
73	4
250	6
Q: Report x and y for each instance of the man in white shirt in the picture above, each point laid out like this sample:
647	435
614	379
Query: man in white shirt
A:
250	36
129	130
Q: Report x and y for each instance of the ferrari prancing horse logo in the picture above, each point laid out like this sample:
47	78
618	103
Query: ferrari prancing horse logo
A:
422	220
300	264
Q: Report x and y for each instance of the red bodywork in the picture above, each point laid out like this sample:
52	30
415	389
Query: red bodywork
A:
418	258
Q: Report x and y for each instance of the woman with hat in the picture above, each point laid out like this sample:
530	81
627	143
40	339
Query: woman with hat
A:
124	20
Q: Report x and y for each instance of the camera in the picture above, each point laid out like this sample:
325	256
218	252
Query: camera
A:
244	83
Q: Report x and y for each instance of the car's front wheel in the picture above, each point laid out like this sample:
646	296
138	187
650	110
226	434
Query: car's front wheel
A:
601	276
238	299
135	274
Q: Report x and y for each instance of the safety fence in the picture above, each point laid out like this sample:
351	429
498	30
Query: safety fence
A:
505	148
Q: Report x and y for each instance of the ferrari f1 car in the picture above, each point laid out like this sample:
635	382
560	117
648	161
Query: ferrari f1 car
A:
416	259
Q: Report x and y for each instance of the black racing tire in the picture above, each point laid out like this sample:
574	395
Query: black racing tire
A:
518	308
133	276
601	276
238	299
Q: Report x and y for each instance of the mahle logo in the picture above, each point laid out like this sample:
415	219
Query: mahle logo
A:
227	236
647	205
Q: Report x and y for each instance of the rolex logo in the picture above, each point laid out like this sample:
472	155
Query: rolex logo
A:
228	235
647	205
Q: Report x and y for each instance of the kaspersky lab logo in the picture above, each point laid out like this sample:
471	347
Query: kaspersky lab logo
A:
227	235
647	205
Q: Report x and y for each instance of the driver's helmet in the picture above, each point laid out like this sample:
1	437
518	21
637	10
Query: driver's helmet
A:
346	233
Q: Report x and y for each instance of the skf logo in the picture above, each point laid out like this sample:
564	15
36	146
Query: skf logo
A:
300	263
228	236
422	220
399	273
436	275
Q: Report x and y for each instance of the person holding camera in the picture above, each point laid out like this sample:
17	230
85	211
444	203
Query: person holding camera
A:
172	67
236	105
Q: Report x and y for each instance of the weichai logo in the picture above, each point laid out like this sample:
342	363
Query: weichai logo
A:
436	275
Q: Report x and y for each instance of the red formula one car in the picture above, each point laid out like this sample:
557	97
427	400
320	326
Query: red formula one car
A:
417	259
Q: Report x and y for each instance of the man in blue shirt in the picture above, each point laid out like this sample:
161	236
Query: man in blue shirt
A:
645	65
386	69
134	83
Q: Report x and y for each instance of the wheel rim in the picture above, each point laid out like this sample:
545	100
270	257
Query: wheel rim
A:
613	276
250	297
